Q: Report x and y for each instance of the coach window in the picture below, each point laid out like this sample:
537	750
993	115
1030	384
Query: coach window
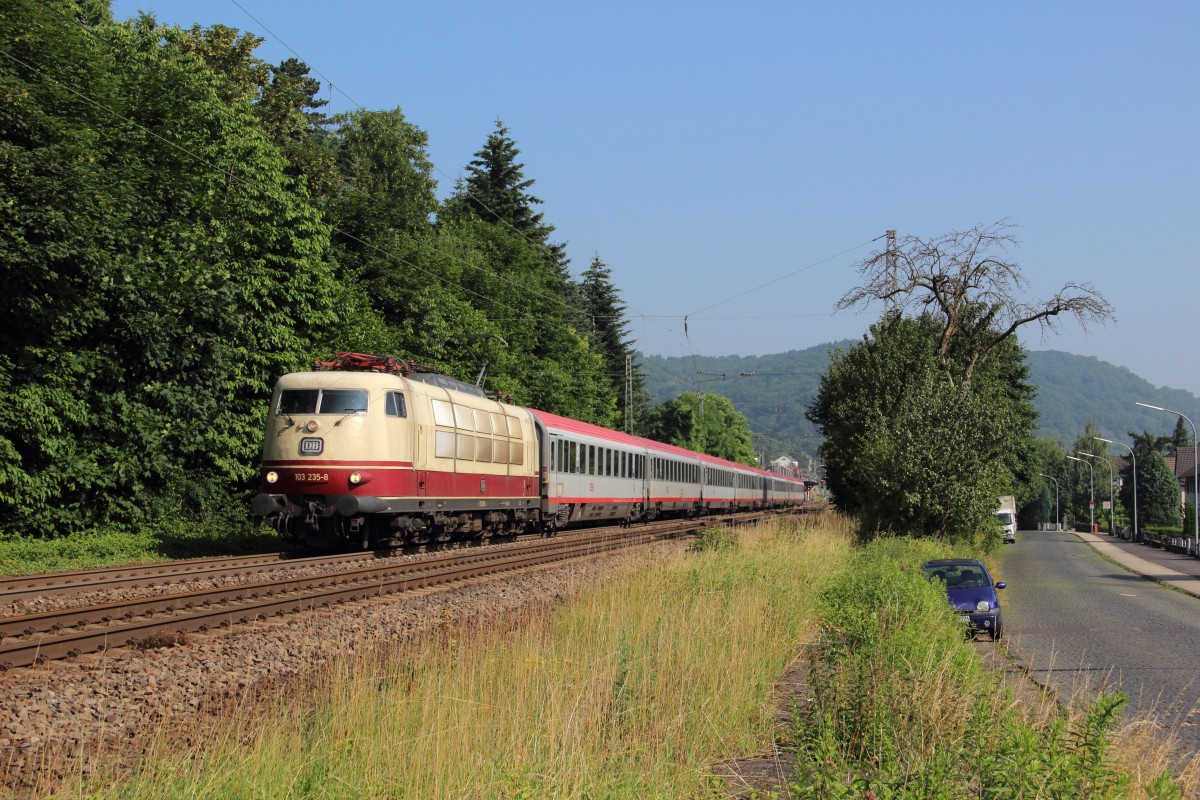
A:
608	461
573	459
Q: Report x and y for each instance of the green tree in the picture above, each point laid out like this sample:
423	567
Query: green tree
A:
910	451
1089	476
706	423
290	112
1158	493
162	262
1181	436
610	337
1036	498
495	189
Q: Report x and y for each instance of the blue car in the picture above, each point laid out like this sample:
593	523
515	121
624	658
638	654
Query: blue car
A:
971	590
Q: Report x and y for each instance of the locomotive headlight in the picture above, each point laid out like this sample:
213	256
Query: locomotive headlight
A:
272	476
311	426
355	478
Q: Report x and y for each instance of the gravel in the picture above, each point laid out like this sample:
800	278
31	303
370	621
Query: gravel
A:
66	718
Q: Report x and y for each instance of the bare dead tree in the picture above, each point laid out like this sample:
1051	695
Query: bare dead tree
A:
968	278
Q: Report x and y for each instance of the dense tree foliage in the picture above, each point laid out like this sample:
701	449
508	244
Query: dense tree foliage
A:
181	224
158	257
1157	487
708	423
1158	493
610	337
912	452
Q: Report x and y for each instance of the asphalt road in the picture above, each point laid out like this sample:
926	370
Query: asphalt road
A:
1079	623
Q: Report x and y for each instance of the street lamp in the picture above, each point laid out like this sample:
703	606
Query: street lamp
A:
1132	455
1092	502
1057	514
1112	506
1195	458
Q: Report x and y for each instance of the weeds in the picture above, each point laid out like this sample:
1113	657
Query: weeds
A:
904	709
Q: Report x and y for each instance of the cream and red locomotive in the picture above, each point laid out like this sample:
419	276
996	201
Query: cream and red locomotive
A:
373	451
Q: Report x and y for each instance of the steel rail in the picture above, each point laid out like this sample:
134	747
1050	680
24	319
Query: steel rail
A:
141	620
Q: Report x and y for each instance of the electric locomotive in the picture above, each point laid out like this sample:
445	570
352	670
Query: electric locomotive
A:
378	452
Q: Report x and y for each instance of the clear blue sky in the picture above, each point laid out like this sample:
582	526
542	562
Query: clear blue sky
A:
703	149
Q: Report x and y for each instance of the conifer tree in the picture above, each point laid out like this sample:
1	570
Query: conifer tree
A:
495	189
609	331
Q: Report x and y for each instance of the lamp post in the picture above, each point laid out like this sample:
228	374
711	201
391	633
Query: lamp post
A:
1112	506
1092	503
1132	455
1195	478
1057	514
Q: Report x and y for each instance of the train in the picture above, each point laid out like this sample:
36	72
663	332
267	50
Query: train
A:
374	451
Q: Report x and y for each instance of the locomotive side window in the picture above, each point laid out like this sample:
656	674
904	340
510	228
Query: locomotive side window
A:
299	401
498	426
483	421
443	444
500	451
443	413
483	449
514	427
463	418
466	447
516	453
395	405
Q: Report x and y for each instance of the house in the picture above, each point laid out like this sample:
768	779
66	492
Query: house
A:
1185	472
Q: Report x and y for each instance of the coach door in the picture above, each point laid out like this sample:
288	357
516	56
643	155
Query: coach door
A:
558	455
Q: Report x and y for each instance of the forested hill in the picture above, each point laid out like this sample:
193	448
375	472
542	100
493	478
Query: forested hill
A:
774	390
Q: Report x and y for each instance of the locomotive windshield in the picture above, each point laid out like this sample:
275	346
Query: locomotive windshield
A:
323	401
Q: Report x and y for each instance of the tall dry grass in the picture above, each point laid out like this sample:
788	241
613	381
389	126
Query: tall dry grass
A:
630	690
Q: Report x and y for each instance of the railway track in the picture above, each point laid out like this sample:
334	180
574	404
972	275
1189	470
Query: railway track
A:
55	584
28	639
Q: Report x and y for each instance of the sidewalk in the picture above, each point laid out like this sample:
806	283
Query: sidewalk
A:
1176	570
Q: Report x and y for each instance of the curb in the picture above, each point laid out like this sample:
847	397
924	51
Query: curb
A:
1189	584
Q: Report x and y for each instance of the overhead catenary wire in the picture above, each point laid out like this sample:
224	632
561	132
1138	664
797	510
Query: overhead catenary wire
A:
336	87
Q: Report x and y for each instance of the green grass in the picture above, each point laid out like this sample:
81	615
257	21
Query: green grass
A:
629	690
905	709
26	555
